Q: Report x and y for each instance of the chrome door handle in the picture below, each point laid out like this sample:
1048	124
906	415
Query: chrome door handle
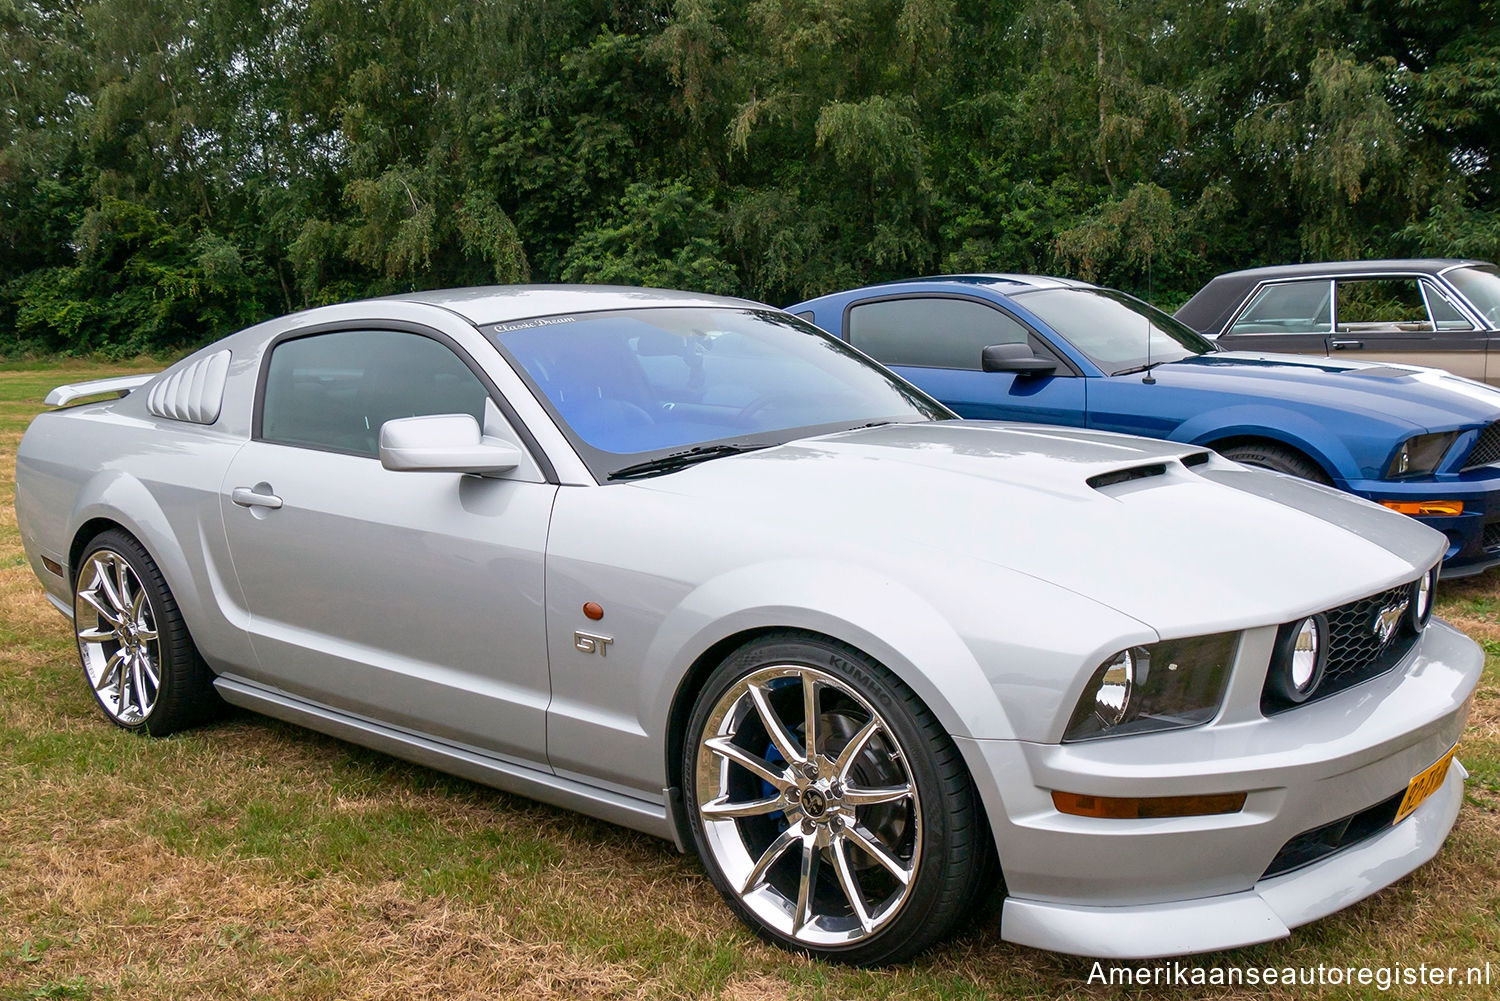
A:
246	497
1341	345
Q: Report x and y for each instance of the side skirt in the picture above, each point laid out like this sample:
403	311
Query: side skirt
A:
640	815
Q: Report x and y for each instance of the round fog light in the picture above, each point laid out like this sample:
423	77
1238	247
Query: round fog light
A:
1423	592
1306	649
1300	658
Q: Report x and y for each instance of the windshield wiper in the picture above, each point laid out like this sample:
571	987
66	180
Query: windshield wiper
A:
1141	368
673	461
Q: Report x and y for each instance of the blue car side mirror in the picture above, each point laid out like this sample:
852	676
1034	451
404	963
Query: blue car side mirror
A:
1017	358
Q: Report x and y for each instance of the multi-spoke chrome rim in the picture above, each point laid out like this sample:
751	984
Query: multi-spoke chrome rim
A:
808	805
117	637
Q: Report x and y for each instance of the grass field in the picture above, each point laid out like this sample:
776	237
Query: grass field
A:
253	859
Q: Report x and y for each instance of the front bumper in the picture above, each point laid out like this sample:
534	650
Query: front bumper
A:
1474	536
1147	888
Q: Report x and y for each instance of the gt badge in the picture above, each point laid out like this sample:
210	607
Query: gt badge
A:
591	642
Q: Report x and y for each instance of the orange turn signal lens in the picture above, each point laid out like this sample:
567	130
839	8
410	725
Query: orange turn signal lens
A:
1147	807
1448	507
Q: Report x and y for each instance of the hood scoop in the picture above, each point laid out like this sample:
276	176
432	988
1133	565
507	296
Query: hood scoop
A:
1117	476
1131	474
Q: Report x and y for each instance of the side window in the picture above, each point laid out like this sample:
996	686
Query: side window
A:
334	391
1445	315
1376	303
935	333
1287	308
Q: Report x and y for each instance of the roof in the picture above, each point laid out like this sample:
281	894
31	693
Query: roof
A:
1424	265
500	303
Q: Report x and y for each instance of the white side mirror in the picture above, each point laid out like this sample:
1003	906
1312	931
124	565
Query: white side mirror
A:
443	443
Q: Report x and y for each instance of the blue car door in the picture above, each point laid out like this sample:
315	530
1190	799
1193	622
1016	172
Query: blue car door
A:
935	342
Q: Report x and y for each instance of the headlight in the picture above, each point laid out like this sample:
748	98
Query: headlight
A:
1298	659
1163	686
1420	454
1423	593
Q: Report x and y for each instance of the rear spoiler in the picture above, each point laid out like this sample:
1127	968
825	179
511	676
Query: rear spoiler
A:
119	386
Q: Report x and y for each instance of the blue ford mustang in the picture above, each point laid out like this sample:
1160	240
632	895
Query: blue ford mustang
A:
1056	351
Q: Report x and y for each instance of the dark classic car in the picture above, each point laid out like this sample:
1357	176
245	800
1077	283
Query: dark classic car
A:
1438	312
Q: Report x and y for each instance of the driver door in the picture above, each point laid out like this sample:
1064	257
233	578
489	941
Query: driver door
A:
413	598
935	342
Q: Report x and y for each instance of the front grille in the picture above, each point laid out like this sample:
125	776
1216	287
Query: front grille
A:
1356	653
1486	450
1491	538
1321	842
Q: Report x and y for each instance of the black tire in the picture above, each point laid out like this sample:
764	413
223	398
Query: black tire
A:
946	848
183	695
1280	458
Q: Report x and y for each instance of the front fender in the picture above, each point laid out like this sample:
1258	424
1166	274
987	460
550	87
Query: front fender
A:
1289	427
856	605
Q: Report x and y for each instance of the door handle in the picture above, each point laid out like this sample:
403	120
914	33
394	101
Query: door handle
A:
1341	345
247	497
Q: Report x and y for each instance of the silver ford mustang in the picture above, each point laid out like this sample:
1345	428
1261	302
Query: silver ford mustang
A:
688	564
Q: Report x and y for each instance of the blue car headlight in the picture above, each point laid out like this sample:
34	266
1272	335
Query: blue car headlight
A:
1163	686
1421	454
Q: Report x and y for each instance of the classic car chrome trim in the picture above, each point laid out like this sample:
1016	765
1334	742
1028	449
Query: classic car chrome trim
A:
1437	278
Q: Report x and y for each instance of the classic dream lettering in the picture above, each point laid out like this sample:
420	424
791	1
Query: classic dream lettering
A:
541	321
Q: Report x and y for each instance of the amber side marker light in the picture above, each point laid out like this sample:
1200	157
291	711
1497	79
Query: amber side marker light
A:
1425	507
1146	807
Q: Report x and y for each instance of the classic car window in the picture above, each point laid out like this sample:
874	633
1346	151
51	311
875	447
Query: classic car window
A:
931	332
1287	308
333	391
1381	304
1112	328
1481	286
626	383
1445	315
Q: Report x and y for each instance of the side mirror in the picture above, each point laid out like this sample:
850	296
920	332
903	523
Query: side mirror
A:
1017	358
443	443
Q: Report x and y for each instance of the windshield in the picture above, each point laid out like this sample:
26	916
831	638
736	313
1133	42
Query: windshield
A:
631	385
1481	286
1110	327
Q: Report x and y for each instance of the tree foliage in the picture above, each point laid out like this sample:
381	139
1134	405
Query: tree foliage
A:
171	172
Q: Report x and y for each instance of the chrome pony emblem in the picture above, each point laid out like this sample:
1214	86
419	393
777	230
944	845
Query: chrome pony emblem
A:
1387	619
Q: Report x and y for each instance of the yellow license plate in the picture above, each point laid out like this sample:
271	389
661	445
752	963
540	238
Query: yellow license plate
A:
1426	782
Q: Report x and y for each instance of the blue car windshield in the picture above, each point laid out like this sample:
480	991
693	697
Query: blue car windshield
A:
635	385
1112	328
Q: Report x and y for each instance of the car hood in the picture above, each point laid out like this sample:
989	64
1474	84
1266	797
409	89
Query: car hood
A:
1115	518
1426	398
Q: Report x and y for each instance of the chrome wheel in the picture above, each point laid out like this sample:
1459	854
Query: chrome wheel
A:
808	805
117	637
